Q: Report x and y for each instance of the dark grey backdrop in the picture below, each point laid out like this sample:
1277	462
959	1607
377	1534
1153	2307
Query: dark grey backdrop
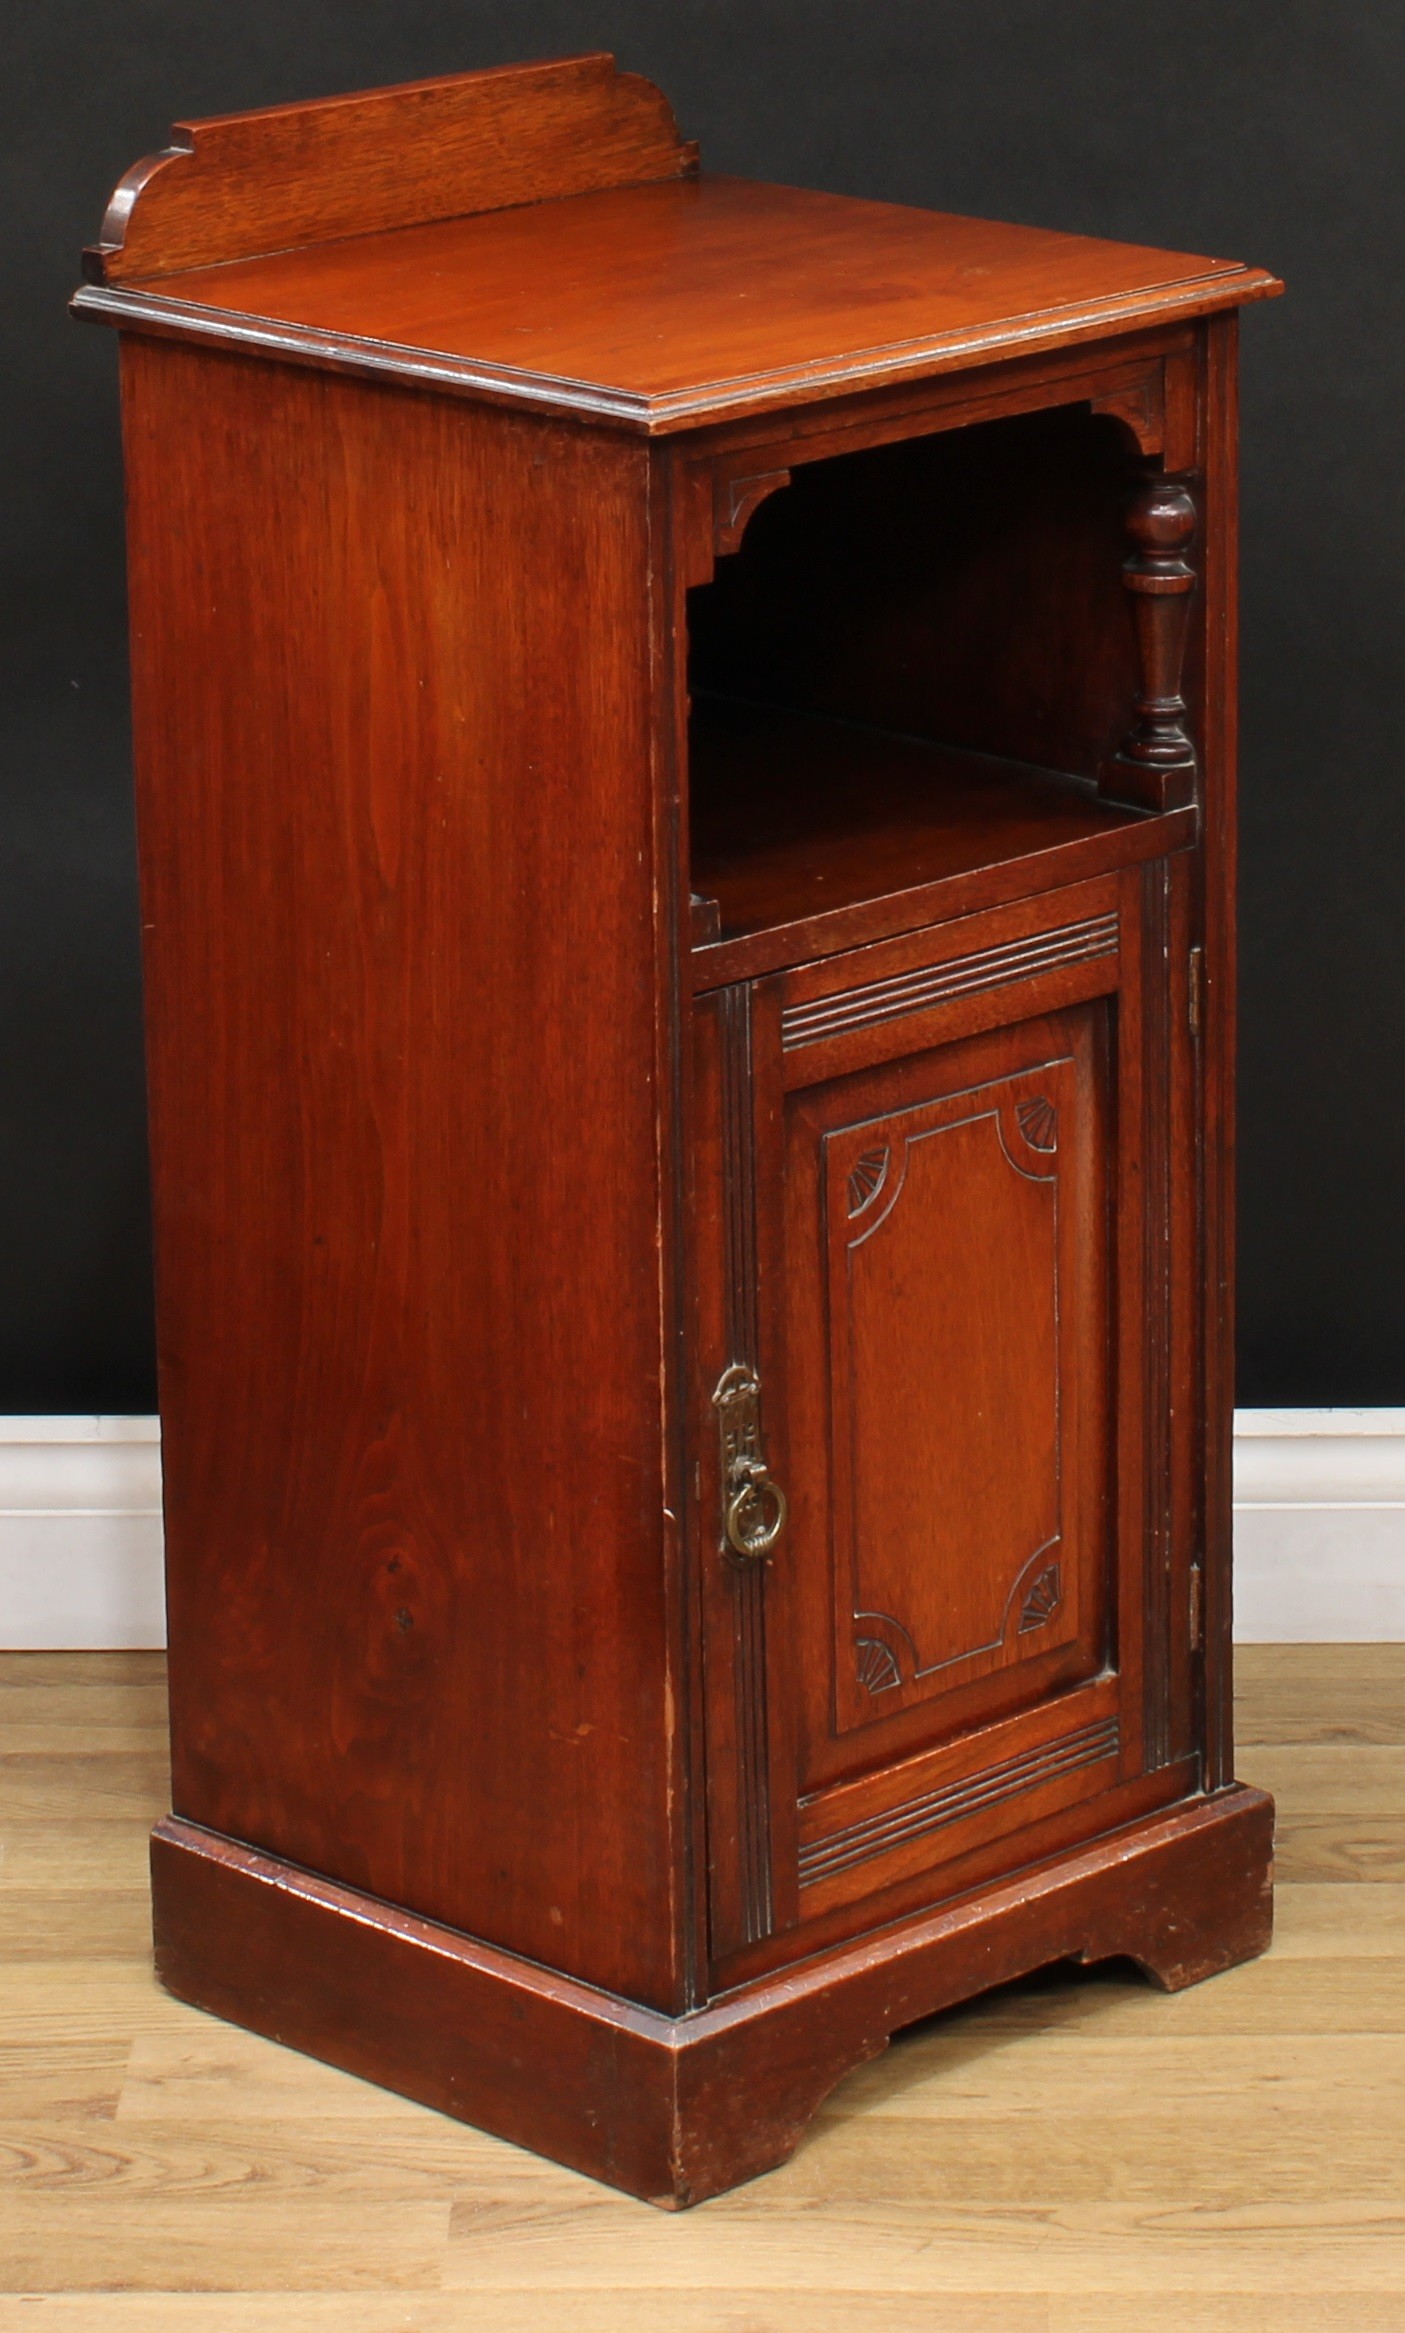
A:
1269	130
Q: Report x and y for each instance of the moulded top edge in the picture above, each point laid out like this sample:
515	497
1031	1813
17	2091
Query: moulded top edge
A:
663	307
658	416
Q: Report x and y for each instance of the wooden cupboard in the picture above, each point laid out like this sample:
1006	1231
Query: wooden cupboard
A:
685	738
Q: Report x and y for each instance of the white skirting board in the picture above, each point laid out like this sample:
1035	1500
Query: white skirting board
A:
1319	1529
80	1534
1319	1526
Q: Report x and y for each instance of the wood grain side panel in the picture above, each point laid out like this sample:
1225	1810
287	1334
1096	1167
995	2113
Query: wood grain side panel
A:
245	183
392	695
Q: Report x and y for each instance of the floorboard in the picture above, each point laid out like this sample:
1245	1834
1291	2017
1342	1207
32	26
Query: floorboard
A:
1075	2154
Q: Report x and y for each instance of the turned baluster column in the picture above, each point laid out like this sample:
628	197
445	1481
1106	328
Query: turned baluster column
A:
1154	766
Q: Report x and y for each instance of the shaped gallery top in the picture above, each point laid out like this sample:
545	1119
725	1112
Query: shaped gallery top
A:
540	235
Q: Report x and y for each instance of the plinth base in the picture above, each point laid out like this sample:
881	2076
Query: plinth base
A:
676	2109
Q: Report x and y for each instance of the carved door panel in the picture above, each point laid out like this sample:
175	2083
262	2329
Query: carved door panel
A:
938	1241
948	1338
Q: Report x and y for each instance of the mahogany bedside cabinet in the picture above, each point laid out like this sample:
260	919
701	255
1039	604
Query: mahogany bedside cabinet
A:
685	749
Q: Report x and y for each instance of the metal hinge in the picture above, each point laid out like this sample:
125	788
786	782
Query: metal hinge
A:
1197	1609
1195	991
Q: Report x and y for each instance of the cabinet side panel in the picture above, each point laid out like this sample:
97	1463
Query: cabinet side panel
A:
1220	560
400	909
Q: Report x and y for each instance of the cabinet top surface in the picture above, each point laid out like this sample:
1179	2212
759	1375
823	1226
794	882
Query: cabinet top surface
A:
690	299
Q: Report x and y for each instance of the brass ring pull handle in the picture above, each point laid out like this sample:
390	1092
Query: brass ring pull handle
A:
753	1505
748	1531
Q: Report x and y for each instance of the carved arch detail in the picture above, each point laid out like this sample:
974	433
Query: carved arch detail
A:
735	502
1139	410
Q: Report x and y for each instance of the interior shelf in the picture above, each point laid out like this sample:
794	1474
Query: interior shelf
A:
799	818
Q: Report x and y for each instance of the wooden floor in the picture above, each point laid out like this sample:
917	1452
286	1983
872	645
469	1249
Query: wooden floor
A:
1077	2154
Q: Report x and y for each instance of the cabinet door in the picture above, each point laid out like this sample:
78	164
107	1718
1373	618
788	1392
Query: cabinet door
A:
934	1275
